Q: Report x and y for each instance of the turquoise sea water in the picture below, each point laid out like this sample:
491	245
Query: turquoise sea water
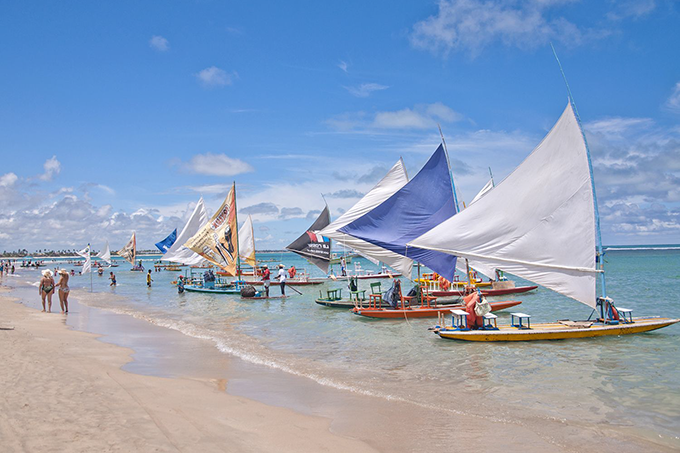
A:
629	383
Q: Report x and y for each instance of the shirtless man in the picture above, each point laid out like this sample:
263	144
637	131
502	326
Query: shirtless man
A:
63	290
47	289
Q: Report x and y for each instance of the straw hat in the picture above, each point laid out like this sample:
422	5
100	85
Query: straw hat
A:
280	265
265	266
47	273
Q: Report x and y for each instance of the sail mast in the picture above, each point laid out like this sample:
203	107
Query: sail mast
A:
448	162
238	248
598	238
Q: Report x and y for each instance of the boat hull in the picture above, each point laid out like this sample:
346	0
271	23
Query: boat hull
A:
343	303
486	292
288	283
423	312
556	331
198	289
264	297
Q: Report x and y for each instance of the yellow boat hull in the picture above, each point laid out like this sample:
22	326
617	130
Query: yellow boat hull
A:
557	331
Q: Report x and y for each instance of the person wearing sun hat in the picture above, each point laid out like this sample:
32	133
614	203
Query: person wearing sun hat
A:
282	278
46	289
63	290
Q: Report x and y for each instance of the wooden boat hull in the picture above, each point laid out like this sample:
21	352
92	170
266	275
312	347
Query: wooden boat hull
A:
264	297
199	289
342	303
418	312
486	292
371	276
556	331
288	283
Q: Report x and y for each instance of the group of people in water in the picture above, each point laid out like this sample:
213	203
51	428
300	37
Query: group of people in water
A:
47	288
282	276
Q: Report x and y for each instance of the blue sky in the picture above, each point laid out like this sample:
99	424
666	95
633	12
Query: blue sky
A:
117	116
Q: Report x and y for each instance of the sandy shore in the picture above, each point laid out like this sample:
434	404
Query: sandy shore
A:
64	391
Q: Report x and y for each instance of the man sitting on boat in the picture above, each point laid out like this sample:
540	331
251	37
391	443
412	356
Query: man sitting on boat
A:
470	301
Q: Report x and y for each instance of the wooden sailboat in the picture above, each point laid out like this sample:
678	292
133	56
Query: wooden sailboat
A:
548	200
217	242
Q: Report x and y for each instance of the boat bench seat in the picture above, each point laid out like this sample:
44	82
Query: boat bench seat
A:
459	319
490	322
626	314
517	320
358	295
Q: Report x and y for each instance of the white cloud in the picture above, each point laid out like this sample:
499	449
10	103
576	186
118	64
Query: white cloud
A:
214	77
422	116
343	65
471	25
365	89
673	101
211	188
631	8
52	167
617	127
159	43
218	165
8	179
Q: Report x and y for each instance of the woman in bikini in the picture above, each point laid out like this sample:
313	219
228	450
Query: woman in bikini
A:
47	289
63	290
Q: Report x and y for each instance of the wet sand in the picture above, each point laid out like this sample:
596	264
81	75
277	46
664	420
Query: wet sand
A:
147	388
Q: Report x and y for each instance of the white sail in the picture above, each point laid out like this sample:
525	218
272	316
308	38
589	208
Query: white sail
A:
129	252
178	253
85	253
394	180
105	255
246	242
539	223
485	189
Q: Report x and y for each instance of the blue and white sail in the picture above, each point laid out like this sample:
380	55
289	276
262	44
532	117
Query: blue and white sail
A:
394	180
166	243
424	202
178	253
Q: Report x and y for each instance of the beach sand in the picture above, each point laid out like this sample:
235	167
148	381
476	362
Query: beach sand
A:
64	391
68	390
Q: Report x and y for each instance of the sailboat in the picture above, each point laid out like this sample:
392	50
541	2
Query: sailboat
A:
178	253
542	224
129	253
105	255
422	203
217	242
314	247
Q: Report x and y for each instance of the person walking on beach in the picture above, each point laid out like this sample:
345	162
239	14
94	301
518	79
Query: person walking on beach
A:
148	279
266	276
47	289
113	279
63	290
282	278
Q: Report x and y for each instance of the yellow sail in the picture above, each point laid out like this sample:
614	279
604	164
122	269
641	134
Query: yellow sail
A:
129	252
217	241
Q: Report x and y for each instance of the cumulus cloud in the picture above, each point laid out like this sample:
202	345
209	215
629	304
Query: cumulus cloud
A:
365	89
287	213
345	193
8	179
218	165
261	208
631	9
421	116
52	168
471	25
673	101
211	188
159	43
214	77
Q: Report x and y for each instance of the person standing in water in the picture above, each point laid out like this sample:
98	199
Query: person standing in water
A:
63	290
47	289
282	278
148	279
266	276
113	279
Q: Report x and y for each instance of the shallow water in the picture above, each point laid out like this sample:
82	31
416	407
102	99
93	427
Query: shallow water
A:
629	383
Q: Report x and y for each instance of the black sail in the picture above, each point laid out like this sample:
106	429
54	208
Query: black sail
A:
314	247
